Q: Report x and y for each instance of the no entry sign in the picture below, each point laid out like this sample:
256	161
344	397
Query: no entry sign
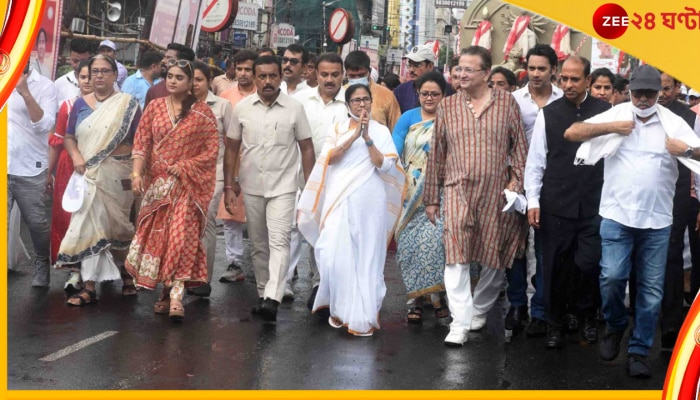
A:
218	14
340	26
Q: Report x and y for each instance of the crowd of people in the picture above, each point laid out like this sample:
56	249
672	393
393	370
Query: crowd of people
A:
459	169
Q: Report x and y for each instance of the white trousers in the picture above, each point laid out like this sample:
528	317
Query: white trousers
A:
458	287
233	234
295	246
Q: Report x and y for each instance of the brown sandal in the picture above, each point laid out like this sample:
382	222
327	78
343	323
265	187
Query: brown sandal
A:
177	312
162	306
91	299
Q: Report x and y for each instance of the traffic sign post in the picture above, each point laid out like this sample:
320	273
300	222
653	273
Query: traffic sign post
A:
340	27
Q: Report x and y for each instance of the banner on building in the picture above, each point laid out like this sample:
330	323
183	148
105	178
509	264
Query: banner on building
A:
452	3
240	39
176	21
44	56
282	35
247	17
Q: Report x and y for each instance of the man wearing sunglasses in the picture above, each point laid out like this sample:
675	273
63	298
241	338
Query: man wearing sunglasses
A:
294	63
636	207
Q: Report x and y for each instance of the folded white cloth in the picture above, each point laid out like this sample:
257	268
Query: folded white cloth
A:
514	202
593	150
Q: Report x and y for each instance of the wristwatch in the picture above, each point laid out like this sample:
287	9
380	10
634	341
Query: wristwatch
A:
689	152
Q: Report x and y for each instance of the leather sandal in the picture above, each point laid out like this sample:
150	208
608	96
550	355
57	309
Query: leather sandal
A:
177	312
415	315
162	306
91	299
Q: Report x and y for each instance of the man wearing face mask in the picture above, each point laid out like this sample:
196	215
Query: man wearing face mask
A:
636	207
685	211
324	106
385	108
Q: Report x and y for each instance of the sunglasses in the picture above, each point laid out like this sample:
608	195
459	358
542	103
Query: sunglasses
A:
292	61
179	63
648	93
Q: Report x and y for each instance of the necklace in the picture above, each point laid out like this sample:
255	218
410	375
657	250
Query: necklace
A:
99	102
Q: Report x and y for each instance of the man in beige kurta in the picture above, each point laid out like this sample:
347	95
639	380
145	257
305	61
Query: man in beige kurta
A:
478	150
270	126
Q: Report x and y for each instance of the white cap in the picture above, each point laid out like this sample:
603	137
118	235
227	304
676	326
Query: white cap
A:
421	53
514	202
74	195
693	93
107	43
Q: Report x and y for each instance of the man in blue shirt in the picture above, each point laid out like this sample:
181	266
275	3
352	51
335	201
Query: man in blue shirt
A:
148	75
421	59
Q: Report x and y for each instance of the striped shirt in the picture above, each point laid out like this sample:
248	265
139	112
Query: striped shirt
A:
470	157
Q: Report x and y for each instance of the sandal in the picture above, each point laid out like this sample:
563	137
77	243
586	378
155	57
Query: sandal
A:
442	312
162	306
177	312
128	288
91	298
415	315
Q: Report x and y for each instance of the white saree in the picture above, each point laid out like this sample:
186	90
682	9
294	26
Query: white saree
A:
348	212
102	223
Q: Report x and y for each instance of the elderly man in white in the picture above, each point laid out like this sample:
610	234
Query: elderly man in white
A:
640	142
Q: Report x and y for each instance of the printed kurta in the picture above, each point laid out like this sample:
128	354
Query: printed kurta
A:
470	158
166	246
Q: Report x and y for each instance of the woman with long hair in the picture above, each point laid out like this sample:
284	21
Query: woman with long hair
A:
62	163
175	170
99	138
420	253
348	211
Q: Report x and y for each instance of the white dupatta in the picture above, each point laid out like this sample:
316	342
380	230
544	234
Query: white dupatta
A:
328	185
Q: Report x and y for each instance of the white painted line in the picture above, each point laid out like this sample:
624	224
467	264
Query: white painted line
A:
75	347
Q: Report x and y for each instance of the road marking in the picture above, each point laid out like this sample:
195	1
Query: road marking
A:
75	347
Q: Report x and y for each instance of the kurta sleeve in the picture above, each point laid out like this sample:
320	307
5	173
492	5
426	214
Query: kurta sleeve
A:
435	168
518	150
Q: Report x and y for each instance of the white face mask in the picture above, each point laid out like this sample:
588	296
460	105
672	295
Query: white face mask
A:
361	81
353	116
647	112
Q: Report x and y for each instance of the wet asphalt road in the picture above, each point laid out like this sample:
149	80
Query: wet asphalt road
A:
221	346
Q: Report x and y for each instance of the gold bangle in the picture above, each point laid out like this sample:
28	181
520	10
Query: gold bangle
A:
134	175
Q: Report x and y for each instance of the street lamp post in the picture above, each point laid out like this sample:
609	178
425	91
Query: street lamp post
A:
325	4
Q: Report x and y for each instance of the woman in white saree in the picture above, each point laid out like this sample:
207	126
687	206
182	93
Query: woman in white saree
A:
348	212
99	137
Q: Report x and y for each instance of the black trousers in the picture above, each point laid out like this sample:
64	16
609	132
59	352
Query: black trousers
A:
571	265
672	313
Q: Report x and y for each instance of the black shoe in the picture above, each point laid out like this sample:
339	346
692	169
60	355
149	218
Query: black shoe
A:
571	323
312	298
638	367
555	338
201	291
668	339
268	309
256	308
516	318
600	317
536	328
610	345
589	330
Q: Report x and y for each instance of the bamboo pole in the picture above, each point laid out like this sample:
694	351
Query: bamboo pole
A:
145	42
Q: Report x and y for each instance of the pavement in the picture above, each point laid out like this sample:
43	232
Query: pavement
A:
119	343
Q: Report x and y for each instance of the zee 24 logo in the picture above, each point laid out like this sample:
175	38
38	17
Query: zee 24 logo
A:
611	20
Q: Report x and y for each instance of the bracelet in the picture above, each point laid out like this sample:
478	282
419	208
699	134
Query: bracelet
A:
369	143
134	175
228	187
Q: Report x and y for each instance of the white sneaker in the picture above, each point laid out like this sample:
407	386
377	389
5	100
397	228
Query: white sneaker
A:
478	322
456	337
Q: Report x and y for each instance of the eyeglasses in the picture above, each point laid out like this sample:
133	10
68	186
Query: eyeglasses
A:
648	93
360	100
413	64
292	61
179	63
434	95
468	70
103	71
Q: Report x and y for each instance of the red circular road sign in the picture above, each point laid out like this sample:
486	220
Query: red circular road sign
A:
341	27
218	14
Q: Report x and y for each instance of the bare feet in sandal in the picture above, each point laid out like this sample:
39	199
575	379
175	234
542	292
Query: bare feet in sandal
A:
415	315
162	306
84	297
177	311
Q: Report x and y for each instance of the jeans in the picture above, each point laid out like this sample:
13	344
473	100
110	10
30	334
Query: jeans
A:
28	192
537	301
517	283
650	247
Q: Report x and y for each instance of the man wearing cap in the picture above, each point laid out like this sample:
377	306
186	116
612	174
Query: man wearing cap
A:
693	97
684	216
108	48
563	206
636	207
420	60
